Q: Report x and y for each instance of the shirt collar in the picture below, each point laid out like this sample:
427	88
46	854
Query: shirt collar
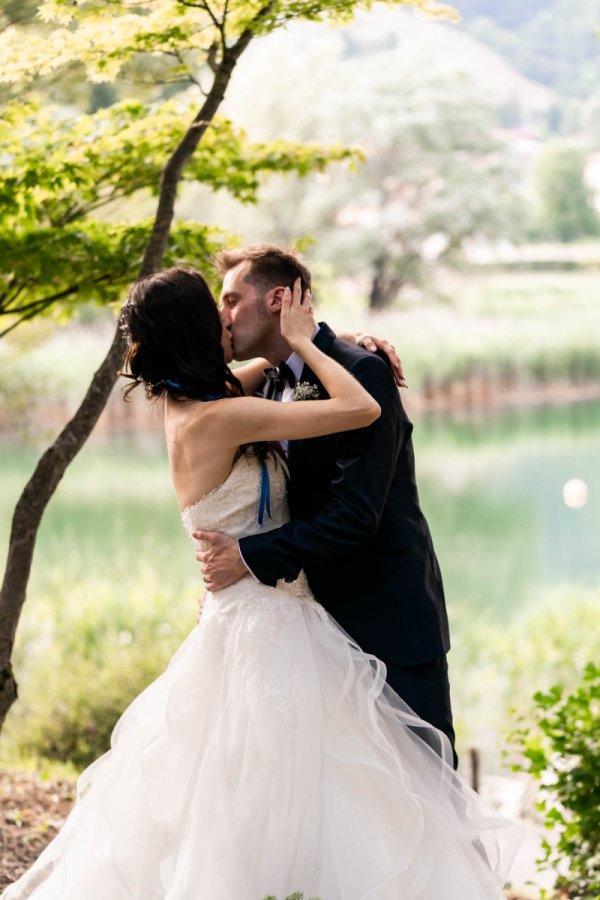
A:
295	362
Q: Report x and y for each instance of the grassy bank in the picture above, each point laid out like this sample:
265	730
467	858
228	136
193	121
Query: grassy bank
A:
510	327
513	329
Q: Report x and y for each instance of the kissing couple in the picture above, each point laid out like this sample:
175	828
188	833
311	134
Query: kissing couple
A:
301	737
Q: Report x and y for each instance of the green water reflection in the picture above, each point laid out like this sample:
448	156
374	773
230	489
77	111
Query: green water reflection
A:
491	488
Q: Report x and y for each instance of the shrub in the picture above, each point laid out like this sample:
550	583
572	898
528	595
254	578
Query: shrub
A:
494	669
562	754
90	648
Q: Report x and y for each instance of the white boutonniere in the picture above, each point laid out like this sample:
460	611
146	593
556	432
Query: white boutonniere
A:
304	390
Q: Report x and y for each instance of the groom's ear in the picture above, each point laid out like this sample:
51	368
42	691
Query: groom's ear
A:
274	299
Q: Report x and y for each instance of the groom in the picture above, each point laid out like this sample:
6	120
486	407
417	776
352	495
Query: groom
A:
357	528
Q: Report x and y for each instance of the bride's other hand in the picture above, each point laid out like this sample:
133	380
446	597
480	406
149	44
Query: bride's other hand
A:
370	342
297	320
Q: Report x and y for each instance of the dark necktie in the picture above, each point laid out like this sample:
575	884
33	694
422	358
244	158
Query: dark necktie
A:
278	377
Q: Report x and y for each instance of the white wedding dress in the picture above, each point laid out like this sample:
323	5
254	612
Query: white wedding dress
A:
270	757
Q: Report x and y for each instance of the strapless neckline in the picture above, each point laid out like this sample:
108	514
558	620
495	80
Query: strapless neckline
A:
221	484
234	506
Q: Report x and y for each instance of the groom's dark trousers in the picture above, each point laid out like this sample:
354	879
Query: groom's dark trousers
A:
359	533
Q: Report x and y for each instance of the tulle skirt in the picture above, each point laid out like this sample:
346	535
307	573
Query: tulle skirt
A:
271	757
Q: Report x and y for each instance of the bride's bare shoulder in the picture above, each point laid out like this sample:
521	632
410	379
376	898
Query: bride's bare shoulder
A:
205	420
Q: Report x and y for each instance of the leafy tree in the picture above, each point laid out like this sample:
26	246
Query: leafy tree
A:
434	175
435	172
199	42
567	210
561	752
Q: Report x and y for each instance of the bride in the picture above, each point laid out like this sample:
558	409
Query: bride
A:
270	757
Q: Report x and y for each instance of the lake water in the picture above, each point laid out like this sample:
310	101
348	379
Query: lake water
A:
492	489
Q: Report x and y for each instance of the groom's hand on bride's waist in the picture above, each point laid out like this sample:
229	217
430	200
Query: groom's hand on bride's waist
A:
220	562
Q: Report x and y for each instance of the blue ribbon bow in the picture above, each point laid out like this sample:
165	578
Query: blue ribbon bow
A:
265	493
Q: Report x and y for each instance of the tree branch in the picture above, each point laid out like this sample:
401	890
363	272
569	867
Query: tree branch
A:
174	167
30	310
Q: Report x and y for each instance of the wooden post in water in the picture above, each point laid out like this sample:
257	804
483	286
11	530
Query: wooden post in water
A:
474	765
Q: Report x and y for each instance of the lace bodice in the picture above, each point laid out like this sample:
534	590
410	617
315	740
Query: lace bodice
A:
232	507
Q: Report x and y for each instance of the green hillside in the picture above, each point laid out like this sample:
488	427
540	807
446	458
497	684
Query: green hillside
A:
553	42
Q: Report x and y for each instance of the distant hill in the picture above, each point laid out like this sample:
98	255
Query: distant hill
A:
449	49
553	42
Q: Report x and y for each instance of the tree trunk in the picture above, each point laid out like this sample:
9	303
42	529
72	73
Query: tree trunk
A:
376	297
390	275
56	459
384	287
30	509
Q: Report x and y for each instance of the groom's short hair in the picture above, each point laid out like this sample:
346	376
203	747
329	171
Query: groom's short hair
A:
270	266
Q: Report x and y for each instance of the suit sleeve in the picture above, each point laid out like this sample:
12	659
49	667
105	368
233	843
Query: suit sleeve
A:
364	468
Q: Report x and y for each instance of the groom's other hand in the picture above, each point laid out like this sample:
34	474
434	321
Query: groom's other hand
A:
375	344
220	562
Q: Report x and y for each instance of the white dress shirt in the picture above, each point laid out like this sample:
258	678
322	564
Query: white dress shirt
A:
296	364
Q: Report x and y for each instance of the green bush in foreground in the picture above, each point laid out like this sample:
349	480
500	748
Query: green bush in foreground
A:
296	896
83	657
562	753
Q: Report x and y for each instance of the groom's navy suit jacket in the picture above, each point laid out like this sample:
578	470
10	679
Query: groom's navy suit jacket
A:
357	528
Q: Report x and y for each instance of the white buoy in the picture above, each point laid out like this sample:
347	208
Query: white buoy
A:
575	493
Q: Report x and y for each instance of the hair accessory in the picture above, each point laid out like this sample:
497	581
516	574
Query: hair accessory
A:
187	391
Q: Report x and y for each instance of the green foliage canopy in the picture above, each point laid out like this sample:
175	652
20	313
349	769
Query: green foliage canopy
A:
61	179
105	38
66	179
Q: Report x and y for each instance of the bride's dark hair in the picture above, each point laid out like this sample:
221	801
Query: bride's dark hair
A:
173	343
173	333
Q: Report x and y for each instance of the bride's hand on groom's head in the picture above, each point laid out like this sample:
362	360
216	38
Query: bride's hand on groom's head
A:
375	344
297	319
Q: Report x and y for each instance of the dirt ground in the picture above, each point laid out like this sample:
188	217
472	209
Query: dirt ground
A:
31	813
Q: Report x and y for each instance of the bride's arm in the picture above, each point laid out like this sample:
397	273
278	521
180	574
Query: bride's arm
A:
251	374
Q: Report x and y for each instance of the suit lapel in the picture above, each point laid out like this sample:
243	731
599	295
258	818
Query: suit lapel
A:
323	341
